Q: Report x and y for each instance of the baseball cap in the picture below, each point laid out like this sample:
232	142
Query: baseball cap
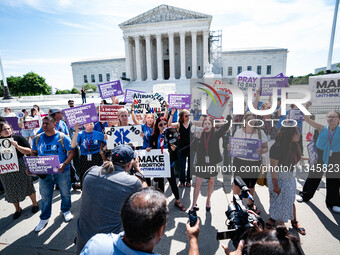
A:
123	154
55	110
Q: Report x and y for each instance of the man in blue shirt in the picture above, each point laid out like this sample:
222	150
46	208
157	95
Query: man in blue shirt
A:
61	126
51	142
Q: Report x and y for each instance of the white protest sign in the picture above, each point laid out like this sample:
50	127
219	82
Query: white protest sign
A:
124	135
148	103
8	157
154	163
248	79
325	89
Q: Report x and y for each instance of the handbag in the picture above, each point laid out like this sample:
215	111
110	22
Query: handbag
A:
262	178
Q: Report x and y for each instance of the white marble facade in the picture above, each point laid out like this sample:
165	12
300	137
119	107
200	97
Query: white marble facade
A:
171	44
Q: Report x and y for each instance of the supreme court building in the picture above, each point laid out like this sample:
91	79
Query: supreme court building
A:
172	45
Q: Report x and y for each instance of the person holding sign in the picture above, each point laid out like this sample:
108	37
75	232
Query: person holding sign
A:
206	144
91	145
157	141
328	147
18	185
27	133
250	177
53	142
284	155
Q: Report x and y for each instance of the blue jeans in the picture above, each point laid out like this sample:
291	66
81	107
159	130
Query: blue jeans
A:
46	187
182	160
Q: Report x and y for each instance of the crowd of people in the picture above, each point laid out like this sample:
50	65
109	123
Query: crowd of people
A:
112	197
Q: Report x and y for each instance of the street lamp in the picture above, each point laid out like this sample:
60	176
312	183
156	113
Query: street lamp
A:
329	62
7	94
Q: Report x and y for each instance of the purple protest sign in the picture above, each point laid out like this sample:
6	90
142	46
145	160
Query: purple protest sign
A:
179	101
110	89
82	114
129	95
13	121
244	148
296	114
42	164
268	83
312	153
32	124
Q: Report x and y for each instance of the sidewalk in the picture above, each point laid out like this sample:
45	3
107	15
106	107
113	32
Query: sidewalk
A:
18	237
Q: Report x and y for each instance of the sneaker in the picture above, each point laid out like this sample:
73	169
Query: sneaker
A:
68	216
299	198
336	209
41	225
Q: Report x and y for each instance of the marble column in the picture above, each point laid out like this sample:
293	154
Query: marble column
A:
148	57
194	54
182	49
159	57
205	50
127	58
138	59
172	56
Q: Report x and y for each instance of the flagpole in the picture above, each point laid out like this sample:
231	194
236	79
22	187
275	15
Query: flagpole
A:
330	53
7	94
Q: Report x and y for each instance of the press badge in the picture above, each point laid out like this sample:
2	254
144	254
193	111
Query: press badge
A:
89	157
207	159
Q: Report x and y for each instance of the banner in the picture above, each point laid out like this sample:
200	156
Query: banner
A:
179	101
109	112
13	121
32	124
295	114
325	89
8	157
82	114
244	148
154	163
124	135
42	164
312	153
268	83
129	95
148	103
110	89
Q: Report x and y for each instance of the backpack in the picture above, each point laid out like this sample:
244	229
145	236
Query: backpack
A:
61	140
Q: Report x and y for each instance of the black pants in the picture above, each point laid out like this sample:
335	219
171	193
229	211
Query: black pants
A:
332	182
172	181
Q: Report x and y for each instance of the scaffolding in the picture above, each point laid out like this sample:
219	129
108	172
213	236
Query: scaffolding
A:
215	53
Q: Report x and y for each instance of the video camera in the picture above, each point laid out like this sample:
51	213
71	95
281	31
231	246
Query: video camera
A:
240	220
171	136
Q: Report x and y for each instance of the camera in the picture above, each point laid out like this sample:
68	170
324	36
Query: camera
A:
240	220
193	216
171	136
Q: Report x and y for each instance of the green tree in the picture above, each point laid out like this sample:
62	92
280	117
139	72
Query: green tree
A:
90	86
75	91
33	84
65	91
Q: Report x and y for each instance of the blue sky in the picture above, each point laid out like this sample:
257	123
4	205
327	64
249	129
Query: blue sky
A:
45	36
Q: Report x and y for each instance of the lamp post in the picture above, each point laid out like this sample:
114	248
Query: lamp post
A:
7	94
330	53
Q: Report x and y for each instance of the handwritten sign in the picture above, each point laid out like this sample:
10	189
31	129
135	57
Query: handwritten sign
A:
148	103
42	164
8	157
110	89
124	135
179	101
109	112
82	114
244	148
129	95
32	124
154	163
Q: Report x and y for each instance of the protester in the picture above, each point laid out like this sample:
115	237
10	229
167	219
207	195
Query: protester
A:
157	141
18	185
144	215
208	154
100	126
61	126
104	191
328	148
40	112
250	178
183	126
83	95
91	145
281	180
123	117
8	113
27	133
53	142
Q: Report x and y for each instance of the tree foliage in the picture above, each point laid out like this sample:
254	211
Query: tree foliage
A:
65	91
90	86
75	91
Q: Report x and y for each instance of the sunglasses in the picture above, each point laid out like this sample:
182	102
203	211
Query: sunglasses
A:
161	124
186	116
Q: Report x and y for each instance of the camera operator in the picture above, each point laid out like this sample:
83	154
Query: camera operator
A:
144	215
105	189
